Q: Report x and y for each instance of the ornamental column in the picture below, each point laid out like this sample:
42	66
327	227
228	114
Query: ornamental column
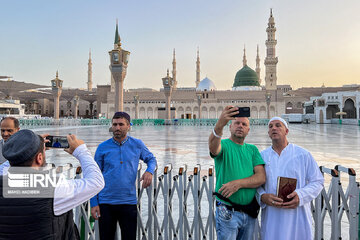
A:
199	99
76	104
136	101
268	100
56	85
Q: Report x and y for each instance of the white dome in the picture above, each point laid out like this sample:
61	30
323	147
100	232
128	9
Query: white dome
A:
206	85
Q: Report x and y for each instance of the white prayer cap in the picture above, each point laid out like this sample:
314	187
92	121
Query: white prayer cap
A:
280	119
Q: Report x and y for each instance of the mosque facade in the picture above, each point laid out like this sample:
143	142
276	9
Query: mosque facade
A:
204	100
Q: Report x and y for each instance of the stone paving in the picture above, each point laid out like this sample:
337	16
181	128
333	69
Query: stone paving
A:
329	144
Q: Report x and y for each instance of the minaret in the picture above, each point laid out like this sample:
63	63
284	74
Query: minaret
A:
119	59
89	82
56	85
197	82
174	70
258	64
271	60
244	58
117	45
168	84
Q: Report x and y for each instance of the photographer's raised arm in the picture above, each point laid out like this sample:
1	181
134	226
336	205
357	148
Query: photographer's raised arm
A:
80	190
215	136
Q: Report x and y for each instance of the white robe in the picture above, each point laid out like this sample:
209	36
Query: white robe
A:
294	224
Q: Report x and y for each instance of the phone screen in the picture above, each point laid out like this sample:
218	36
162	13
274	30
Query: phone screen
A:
57	142
243	112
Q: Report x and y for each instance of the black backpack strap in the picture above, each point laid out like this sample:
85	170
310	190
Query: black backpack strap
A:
252	209
221	197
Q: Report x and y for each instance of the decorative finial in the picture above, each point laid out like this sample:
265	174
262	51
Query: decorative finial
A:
89	53
244	58
117	36
57	74
167	73
271	12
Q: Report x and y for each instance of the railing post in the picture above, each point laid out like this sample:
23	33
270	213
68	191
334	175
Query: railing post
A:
335	229
167	179
181	193
353	196
153	203
211	203
138	174
196	194
354	207
77	210
318	231
149	192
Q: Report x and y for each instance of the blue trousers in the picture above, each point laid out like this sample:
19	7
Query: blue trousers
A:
233	225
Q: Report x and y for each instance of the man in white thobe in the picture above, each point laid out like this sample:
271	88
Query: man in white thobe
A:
287	220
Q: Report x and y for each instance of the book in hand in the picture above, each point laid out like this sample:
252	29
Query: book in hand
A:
285	186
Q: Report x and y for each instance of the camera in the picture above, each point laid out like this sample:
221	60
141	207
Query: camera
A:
57	142
243	112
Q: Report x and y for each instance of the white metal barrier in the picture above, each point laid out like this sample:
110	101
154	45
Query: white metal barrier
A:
181	206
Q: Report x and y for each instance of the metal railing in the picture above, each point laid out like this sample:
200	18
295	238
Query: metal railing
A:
181	206
335	202
31	123
189	122
62	122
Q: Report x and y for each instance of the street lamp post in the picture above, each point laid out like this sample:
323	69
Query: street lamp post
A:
136	101
68	105
168	84
268	100
56	85
76	104
199	98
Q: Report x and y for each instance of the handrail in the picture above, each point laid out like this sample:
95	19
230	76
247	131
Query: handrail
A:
182	206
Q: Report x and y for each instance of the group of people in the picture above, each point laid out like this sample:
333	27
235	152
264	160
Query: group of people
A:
245	181
108	181
244	175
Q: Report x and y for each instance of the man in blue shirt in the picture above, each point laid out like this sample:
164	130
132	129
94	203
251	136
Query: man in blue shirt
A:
118	159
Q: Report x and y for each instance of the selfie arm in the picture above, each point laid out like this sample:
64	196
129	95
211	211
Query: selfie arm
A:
215	136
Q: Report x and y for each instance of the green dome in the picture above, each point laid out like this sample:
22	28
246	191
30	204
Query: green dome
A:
246	77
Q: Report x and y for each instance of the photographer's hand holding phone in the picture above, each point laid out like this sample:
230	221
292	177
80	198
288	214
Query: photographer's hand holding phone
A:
44	136
227	115
69	143
74	142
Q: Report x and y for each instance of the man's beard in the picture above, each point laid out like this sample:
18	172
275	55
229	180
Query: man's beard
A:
119	134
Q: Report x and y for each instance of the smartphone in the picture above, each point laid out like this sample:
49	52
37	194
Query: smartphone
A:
243	112
57	142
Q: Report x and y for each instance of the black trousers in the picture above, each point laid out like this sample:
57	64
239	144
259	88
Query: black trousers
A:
125	214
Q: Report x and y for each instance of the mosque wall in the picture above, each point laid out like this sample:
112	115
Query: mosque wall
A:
190	110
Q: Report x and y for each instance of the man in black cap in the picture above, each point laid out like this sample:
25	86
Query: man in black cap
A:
44	217
118	159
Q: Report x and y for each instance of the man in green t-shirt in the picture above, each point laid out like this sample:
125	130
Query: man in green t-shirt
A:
239	171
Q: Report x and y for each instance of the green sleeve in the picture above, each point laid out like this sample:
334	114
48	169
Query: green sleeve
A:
257	159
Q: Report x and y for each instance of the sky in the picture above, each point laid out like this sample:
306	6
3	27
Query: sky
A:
317	41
